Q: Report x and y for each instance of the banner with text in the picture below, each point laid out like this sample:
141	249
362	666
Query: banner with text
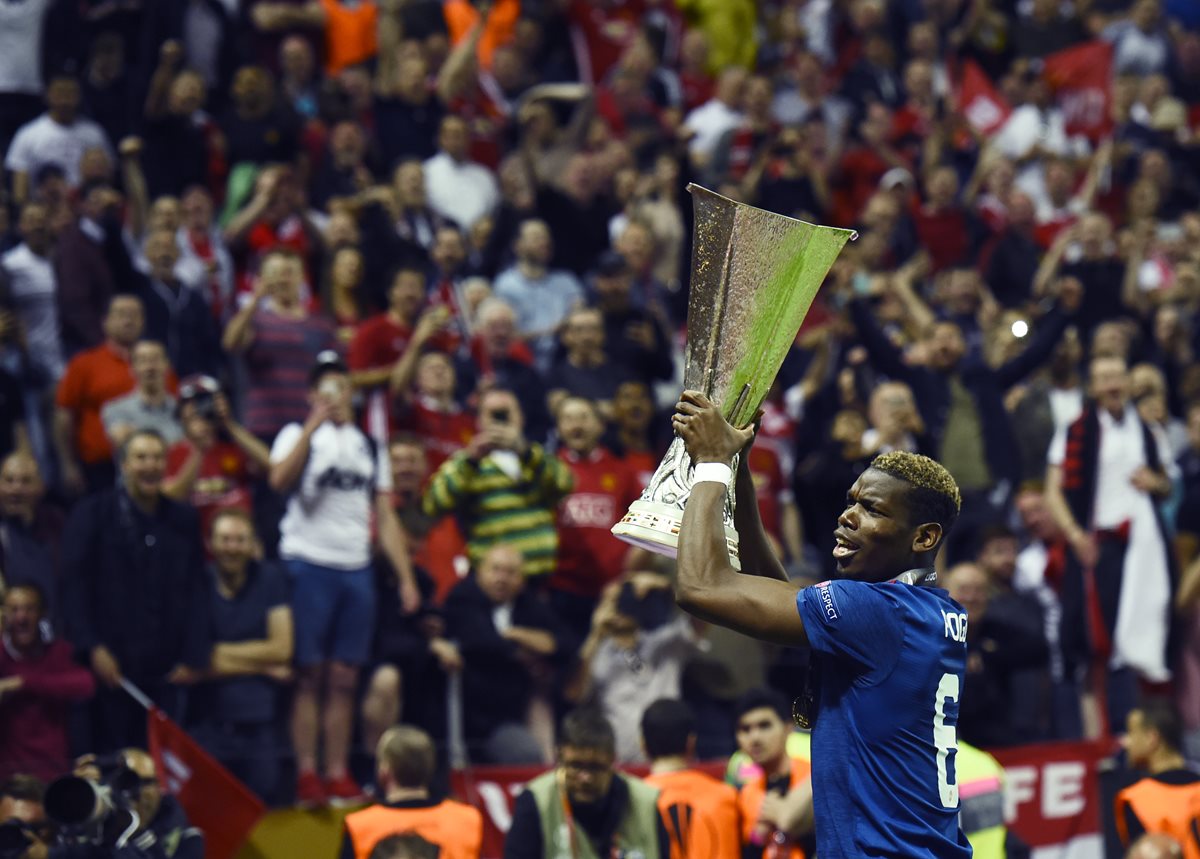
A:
1052	797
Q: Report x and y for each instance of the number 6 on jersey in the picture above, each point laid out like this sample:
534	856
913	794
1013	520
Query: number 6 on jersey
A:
945	738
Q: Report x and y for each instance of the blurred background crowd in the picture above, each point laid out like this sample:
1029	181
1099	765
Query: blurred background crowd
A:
335	336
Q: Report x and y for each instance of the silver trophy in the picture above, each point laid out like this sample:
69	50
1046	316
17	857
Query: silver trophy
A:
754	276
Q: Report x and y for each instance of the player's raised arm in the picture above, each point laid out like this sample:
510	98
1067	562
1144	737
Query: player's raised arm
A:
707	586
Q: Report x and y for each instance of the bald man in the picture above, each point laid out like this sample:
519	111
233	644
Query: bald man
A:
506	635
997	648
29	532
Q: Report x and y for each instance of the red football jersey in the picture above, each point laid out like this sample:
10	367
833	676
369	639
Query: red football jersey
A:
589	556
443	432
770	487
223	480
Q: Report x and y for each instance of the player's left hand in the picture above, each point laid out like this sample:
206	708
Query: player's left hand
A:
708	436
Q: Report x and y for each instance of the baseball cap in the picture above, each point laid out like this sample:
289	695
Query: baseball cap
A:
328	361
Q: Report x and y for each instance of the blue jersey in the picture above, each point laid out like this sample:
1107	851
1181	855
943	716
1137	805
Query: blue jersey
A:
890	660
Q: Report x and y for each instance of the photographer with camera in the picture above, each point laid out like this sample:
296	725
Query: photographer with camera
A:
336	477
24	830
502	487
114	807
214	466
634	655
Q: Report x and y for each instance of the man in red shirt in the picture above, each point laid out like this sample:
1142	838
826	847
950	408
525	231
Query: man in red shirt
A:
92	378
589	556
633	411
942	227
39	681
427	408
864	164
382	341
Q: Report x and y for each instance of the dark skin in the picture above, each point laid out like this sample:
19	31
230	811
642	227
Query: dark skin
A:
876	541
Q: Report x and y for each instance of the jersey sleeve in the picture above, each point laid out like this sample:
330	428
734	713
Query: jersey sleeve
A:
853	620
285	441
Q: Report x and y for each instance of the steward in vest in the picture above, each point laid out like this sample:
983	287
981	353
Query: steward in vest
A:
405	770
980	801
776	804
1167	802
584	809
700	812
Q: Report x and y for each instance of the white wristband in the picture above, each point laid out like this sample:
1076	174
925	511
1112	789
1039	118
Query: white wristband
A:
712	472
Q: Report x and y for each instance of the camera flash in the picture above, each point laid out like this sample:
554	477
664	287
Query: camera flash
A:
1020	328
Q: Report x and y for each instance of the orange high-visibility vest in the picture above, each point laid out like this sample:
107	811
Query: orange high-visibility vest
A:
750	799
1163	809
454	827
700	814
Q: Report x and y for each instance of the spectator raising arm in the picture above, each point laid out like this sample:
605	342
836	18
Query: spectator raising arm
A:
286	473
239	333
275	17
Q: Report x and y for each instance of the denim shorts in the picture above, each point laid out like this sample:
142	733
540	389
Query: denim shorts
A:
333	613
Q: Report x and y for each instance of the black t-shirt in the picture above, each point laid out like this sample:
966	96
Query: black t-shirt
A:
1187	519
252	698
595	383
1102	281
274	138
407	130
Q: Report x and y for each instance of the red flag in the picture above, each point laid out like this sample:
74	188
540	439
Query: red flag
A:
979	102
1081	78
216	803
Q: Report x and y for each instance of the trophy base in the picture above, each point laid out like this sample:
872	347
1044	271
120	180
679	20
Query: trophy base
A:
654	526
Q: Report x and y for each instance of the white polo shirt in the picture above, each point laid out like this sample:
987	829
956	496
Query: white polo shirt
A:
329	513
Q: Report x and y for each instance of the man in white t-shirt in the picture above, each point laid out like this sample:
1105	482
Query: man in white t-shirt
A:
59	136
337	479
457	187
720	114
34	290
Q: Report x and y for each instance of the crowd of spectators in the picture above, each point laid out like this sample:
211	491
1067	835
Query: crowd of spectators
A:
335	335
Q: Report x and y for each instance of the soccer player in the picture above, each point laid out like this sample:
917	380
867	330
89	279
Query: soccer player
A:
889	650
